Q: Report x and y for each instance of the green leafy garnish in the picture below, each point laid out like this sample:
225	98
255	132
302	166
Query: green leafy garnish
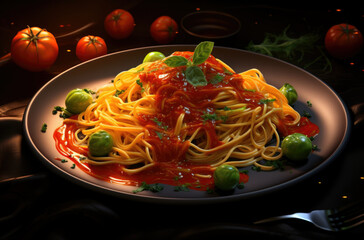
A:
89	91
216	79
159	123
140	84
194	74
118	92
213	117
182	188
149	187
159	134
176	61
202	52
266	101
44	128
57	109
306	114
303	50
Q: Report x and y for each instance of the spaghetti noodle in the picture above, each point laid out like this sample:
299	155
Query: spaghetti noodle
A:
164	128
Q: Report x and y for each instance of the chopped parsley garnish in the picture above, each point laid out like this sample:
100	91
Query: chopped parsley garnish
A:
227	72
63	112
266	101
240	185
44	128
159	123
89	91
213	117
256	168
118	92
57	109
309	104
140	84
250	90
149	187
159	134
182	188
73	166
306	114
245	171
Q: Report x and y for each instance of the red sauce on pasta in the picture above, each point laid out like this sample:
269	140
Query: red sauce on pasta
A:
305	126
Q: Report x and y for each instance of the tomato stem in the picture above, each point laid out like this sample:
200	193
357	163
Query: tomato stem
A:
116	17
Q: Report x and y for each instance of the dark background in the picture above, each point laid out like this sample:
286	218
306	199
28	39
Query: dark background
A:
45	206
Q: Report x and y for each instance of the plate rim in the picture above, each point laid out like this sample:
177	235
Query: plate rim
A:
185	200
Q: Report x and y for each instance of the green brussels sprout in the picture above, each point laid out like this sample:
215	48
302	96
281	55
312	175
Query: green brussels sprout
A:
296	147
100	143
290	93
226	177
153	56
77	101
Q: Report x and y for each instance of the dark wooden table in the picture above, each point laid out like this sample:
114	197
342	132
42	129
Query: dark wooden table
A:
41	204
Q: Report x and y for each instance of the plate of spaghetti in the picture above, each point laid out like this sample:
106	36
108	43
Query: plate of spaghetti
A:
196	123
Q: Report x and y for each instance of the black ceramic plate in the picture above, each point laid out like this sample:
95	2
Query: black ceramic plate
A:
327	110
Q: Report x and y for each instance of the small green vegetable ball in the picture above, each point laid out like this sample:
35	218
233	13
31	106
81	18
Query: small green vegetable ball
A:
226	177
153	56
100	143
290	93
77	101
296	146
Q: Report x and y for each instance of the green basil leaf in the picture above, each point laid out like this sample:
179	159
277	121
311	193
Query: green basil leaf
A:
202	52
216	79
176	61
195	76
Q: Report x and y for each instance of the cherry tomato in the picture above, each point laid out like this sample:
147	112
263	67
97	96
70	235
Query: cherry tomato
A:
90	47
34	49
343	41
164	29
119	24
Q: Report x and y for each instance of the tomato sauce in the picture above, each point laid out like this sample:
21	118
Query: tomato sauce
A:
304	126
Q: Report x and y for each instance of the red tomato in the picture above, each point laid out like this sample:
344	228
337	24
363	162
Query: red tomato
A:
90	47
343	41
164	29
119	24
34	49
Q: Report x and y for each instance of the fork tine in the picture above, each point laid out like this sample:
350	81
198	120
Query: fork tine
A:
346	217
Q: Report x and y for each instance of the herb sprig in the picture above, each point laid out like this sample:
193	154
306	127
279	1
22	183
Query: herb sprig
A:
303	50
194	74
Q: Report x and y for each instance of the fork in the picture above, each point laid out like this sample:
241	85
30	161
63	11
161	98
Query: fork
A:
334	219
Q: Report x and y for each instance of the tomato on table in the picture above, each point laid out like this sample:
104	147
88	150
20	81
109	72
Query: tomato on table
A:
34	49
90	47
343	41
164	29
119	24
